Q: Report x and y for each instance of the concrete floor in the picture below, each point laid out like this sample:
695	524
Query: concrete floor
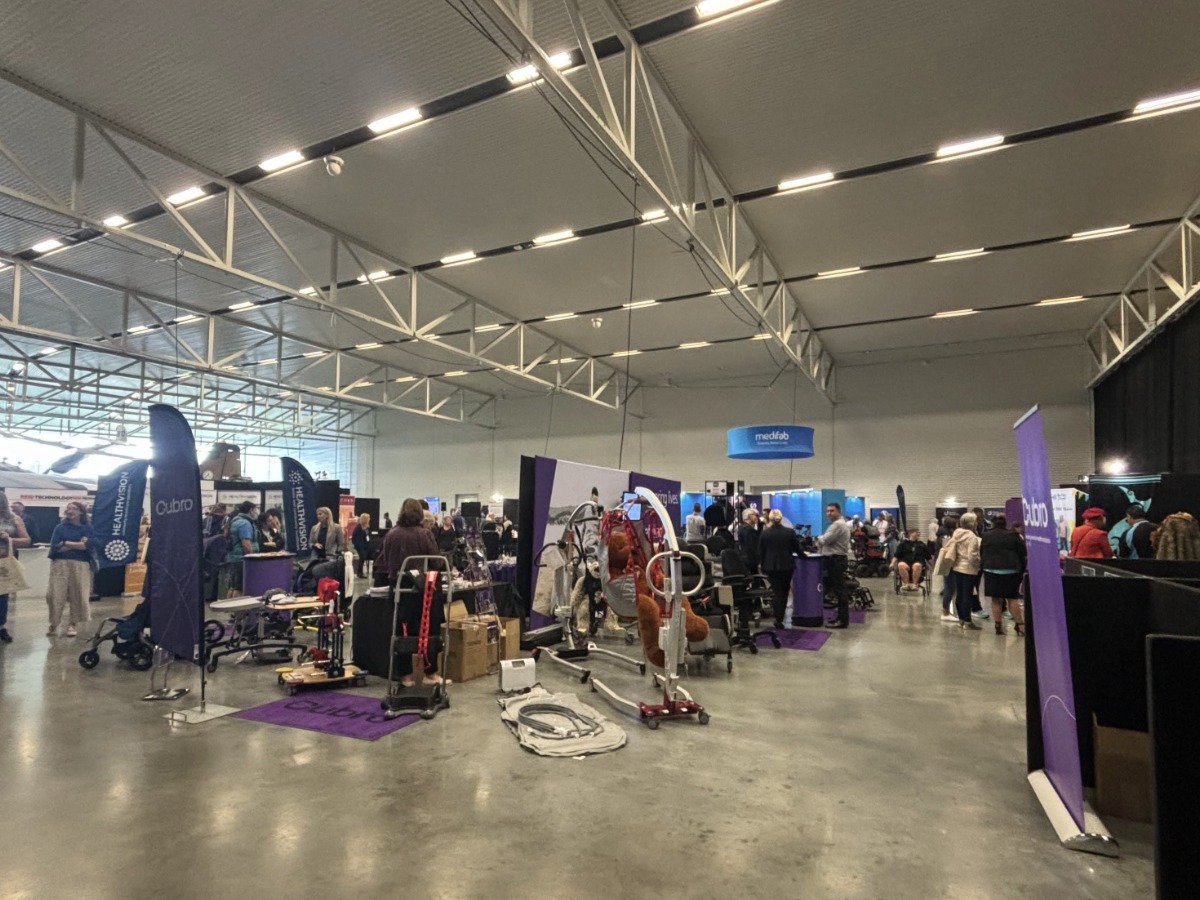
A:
888	765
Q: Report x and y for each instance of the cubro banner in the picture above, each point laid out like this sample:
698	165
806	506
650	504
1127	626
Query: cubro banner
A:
1059	785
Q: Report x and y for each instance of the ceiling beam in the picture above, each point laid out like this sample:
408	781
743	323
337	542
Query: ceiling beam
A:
687	184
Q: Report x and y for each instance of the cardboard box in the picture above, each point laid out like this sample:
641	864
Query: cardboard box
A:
1123	773
473	645
510	638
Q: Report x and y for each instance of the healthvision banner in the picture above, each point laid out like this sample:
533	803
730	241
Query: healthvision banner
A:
117	513
1056	693
299	506
176	546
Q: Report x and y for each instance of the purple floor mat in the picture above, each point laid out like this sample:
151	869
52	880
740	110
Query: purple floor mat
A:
858	617
348	715
799	638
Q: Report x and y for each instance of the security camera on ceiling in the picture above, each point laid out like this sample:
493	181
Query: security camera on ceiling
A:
334	165
597	321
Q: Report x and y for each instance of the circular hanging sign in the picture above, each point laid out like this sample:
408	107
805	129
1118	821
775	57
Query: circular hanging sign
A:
770	442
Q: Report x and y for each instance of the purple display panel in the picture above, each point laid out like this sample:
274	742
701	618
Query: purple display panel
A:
543	489
807	608
1056	694
665	489
1013	512
176	545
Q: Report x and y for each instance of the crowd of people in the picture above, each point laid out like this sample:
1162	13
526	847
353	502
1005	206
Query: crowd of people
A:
1135	536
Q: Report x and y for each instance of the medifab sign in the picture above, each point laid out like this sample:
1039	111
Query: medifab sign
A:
770	442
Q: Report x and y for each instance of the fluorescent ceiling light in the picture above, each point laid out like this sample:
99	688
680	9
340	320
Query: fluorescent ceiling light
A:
764	336
47	245
395	120
806	181
183	320
376	276
324	387
561	317
562	361
1060	301
954	313
139	329
50	351
245	304
692	345
527	73
553	237
1168	103
369	345
626	353
313	353
455	373
653	215
720	290
308	290
358	384
638	304
707	8
186	196
977	145
959	254
282	161
267	362
1099	233
483	328
405	378
116	221
840	273
457	258
18	367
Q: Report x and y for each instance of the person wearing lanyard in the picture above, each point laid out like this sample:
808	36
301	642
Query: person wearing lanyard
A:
835	547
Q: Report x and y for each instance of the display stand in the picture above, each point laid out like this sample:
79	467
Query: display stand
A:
1095	838
807	605
262	572
162	663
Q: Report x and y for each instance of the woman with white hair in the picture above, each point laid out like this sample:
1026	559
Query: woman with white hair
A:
778	547
962	548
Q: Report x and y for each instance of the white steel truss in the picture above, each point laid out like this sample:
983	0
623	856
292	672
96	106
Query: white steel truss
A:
633	99
1165	285
80	392
275	255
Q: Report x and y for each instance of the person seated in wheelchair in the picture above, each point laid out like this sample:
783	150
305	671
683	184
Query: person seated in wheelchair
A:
911	560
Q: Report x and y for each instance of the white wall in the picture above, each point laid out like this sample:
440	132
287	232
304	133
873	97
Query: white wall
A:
940	429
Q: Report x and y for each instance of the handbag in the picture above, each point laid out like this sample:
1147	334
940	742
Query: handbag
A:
944	564
12	576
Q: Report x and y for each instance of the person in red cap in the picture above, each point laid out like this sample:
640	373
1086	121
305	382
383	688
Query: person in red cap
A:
1090	540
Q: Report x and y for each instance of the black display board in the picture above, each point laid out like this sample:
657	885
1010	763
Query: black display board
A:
370	506
329	494
1174	708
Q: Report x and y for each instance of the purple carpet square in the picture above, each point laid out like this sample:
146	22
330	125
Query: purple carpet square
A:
798	638
330	712
858	617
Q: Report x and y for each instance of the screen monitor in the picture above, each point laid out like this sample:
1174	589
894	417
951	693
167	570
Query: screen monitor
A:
471	510
635	506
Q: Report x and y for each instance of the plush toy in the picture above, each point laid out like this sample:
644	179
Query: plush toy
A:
649	608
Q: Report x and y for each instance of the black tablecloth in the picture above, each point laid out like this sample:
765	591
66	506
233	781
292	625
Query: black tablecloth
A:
372	622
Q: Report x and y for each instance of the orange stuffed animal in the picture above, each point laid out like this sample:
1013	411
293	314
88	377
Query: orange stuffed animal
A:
649	608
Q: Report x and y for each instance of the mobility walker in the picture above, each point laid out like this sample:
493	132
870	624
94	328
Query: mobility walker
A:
418	579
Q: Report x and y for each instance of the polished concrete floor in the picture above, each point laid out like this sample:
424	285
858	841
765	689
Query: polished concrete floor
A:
888	765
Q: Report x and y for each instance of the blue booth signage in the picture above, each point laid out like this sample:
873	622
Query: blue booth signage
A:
770	442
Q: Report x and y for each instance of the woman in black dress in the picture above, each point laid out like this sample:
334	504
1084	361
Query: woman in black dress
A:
1002	558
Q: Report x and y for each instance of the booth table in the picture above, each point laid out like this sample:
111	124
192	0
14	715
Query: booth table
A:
807	606
262	572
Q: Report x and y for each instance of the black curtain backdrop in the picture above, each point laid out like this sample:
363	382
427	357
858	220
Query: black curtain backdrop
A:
1148	411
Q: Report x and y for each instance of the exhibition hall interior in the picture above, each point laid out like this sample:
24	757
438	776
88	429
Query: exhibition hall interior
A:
592	448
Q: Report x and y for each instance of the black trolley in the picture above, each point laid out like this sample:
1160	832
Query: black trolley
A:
418	579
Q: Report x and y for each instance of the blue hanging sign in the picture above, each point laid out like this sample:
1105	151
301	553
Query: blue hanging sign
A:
770	442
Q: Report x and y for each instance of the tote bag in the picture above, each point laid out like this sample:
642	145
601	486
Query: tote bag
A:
12	576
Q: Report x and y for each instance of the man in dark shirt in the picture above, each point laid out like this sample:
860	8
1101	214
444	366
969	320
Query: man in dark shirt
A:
747	539
1135	542
717	514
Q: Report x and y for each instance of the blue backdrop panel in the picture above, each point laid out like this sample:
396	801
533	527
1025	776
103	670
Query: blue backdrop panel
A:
855	506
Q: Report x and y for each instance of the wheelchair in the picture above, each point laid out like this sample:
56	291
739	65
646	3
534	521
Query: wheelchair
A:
922	583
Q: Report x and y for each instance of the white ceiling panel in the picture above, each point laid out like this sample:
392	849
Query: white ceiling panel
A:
794	87
498	172
583	274
228	84
1131	172
1010	276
